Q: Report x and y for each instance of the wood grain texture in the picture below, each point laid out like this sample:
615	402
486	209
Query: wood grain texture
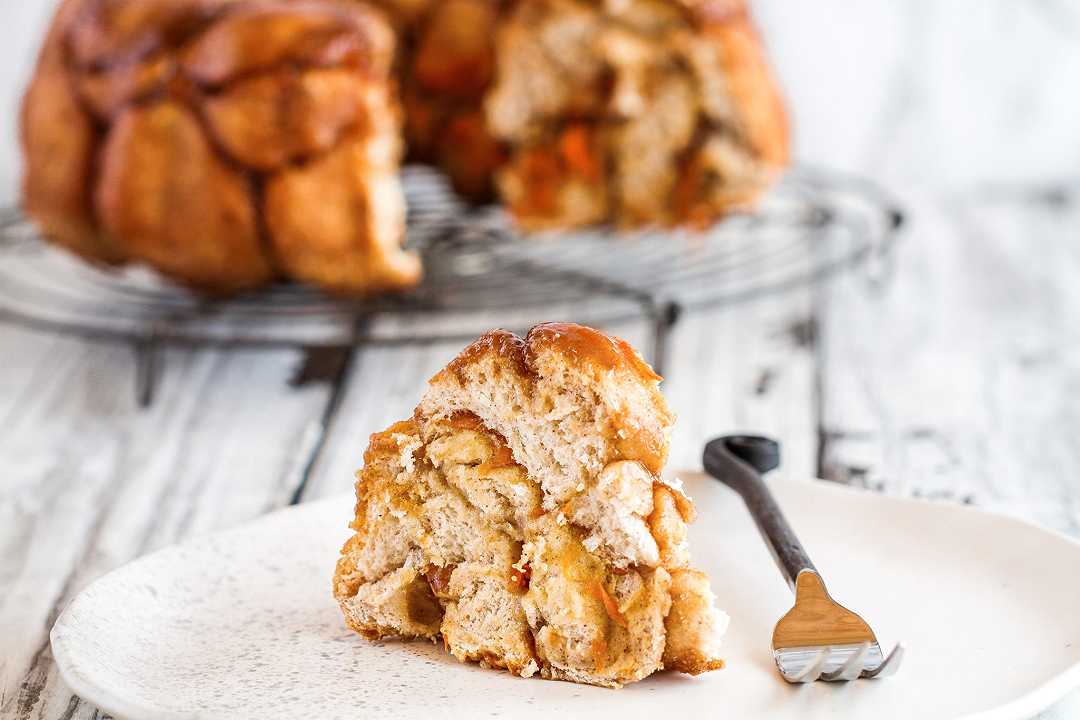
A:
958	378
90	481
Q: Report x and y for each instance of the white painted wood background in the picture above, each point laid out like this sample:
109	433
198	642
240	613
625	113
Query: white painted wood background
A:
955	376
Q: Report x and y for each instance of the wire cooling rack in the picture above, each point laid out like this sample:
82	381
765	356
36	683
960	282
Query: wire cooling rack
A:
479	274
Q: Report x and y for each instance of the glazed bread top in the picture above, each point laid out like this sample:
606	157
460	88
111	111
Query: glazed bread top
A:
225	143
568	399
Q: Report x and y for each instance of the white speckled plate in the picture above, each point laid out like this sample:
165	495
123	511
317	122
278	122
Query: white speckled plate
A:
242	625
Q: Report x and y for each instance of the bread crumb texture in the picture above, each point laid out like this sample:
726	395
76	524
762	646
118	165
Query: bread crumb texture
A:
518	517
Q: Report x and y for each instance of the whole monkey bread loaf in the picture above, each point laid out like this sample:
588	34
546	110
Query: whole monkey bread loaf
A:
224	143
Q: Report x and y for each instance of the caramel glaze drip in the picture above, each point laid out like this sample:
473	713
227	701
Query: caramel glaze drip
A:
610	606
438	578
585	346
465	420
383	442
501	455
647	446
519	579
501	458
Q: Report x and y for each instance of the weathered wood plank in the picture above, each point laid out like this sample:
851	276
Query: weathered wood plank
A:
744	370
90	481
956	378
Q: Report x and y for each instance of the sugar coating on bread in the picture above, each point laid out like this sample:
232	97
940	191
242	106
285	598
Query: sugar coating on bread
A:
519	516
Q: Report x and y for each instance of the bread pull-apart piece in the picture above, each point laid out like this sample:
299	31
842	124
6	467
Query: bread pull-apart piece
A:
338	221
639	112
445	66
175	204
225	143
519	516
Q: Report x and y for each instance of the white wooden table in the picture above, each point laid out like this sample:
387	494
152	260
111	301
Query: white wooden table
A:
956	376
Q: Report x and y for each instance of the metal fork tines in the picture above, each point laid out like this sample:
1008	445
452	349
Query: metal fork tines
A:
818	639
836	662
802	664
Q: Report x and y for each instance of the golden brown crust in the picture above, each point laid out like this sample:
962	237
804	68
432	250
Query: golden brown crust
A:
116	32
277	85
174	204
148	125
329	226
754	92
501	343
107	92
384	443
273	119
582	346
694	663
690	603
383	449
667	523
274	33
585	346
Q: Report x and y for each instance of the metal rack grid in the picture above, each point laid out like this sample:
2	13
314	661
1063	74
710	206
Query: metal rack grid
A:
479	273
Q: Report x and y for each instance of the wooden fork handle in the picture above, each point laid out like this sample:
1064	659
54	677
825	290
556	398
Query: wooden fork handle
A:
739	461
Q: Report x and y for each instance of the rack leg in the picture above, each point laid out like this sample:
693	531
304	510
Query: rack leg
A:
664	318
146	371
339	385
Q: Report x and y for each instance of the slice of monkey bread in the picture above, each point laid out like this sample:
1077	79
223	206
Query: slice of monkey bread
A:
520	517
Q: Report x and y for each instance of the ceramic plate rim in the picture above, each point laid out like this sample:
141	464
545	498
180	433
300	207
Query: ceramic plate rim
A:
81	683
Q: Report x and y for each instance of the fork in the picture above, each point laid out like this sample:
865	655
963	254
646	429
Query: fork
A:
818	639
